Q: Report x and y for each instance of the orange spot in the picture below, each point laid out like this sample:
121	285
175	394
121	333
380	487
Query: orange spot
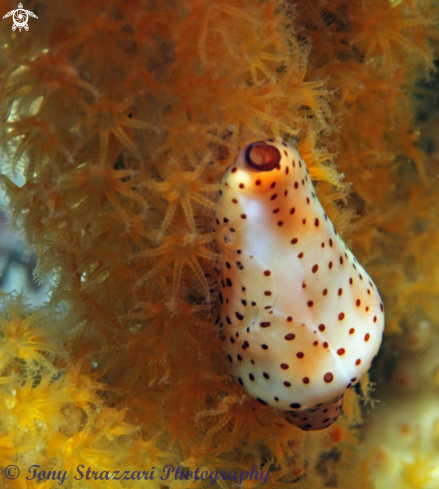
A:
336	433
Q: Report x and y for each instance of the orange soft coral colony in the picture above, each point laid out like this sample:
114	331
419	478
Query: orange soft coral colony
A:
300	317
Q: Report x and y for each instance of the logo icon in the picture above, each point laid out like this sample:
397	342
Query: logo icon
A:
20	17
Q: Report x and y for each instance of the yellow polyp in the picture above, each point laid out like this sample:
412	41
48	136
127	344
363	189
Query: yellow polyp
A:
418	473
180	250
106	117
183	188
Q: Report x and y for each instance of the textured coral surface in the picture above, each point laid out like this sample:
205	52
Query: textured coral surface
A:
123	115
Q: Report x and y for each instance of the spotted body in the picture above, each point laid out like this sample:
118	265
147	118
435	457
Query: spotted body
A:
301	319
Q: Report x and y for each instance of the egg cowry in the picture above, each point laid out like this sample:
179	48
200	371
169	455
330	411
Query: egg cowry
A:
301	319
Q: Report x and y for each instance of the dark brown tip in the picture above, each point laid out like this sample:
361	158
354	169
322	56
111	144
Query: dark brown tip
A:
262	156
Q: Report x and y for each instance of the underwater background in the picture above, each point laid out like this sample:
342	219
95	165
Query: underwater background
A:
118	120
